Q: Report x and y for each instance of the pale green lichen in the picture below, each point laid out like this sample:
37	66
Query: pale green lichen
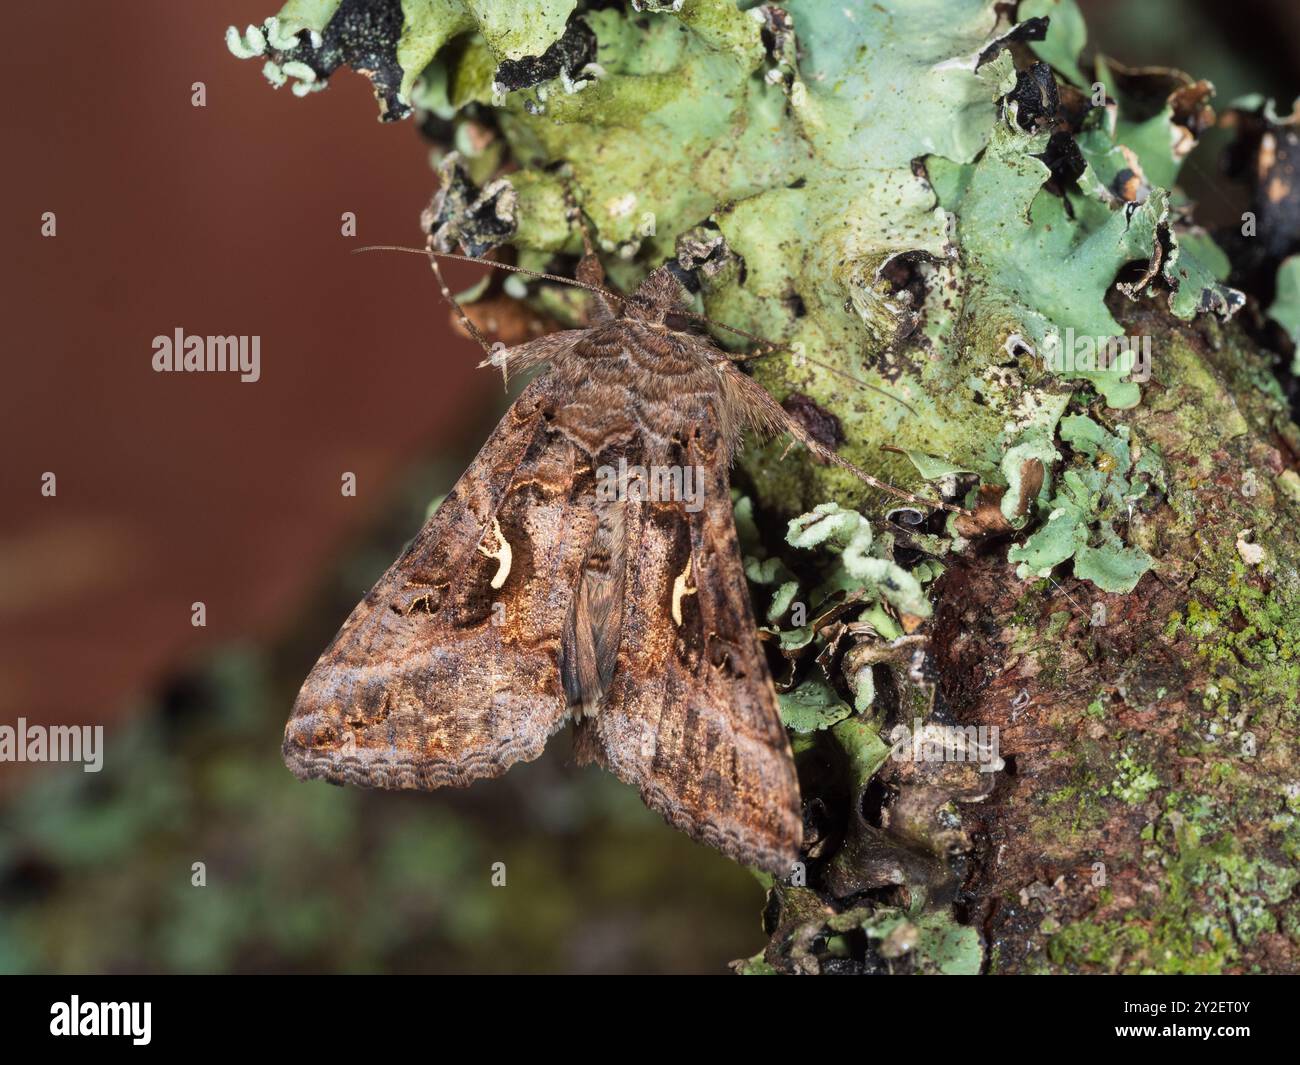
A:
934	942
510	29
311	15
1215	900
812	706
852	578
1285	308
1096	492
1066	38
1078	516
1133	782
865	563
803	161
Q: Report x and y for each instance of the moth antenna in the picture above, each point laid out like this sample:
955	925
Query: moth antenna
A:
833	457
496	266
861	383
773	349
732	329
830	455
765	414
470	327
900	493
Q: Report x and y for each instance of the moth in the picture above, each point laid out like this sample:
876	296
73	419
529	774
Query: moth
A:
536	596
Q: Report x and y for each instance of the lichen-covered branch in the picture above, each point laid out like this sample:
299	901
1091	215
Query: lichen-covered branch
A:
1056	733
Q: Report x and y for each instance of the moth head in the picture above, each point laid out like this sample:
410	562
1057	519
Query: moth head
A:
658	296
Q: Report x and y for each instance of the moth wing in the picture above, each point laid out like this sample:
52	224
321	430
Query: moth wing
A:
448	670
691	716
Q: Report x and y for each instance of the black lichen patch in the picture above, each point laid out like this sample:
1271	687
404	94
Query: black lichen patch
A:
1032	29
567	56
363	34
822	425
703	253
1063	158
462	213
777	32
1035	96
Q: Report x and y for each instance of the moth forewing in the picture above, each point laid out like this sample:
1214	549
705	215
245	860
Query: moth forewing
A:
430	682
691	717
535	596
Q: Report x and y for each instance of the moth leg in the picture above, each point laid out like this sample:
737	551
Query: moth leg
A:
764	414
590	271
533	353
495	352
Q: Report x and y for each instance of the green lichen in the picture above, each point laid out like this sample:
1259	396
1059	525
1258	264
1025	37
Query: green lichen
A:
851	578
1214	901
803	162
865	564
934	942
307	15
755	966
812	706
1133	782
1098	490
1247	634
1285	308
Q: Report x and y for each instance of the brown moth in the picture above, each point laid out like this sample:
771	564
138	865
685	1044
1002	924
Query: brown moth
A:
536	596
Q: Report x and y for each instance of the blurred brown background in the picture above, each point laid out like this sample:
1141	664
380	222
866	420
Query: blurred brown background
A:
222	219
225	219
